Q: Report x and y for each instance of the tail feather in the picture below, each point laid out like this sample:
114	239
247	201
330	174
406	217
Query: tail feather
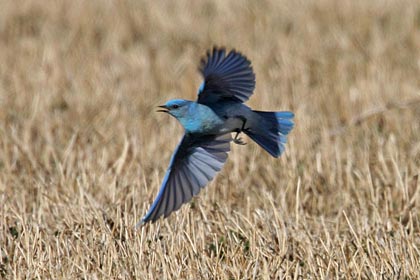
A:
271	130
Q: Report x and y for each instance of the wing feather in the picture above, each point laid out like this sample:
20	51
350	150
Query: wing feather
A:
226	77
195	162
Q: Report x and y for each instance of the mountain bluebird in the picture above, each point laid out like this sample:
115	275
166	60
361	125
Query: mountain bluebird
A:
229	81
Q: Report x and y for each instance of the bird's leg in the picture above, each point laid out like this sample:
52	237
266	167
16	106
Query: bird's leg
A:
238	140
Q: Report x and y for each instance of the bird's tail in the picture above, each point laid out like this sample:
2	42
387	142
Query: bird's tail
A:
271	130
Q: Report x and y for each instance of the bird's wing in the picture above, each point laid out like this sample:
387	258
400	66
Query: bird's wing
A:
226	77
194	163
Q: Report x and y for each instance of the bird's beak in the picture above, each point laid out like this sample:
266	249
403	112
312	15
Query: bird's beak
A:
164	109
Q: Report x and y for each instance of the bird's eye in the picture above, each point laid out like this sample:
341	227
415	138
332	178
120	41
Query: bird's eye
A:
175	106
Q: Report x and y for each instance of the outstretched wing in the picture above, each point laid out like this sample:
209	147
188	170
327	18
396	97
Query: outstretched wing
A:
226	77
194	163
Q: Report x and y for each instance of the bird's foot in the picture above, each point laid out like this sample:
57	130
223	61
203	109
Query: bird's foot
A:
239	141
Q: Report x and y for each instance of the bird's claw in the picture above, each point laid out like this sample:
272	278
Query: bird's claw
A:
239	141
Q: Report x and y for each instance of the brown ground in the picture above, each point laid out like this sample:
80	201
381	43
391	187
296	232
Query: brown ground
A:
82	151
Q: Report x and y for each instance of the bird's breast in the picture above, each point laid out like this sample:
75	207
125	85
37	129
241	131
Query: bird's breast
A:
202	120
205	120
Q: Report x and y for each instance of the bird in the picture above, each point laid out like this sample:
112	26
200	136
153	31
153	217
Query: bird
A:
209	122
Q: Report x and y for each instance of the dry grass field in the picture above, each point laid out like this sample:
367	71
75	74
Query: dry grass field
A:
83	152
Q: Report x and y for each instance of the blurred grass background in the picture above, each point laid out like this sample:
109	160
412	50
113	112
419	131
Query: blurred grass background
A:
83	153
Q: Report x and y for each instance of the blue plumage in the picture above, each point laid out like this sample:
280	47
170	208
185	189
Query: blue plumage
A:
194	163
226	77
272	131
219	111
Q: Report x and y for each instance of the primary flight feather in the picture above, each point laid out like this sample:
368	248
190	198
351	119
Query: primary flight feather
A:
208	122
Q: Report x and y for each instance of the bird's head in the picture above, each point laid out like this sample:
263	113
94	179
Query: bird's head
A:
177	108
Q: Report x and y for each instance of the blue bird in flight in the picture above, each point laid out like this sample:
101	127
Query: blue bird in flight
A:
229	81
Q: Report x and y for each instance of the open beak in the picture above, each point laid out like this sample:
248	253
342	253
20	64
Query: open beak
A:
164	109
